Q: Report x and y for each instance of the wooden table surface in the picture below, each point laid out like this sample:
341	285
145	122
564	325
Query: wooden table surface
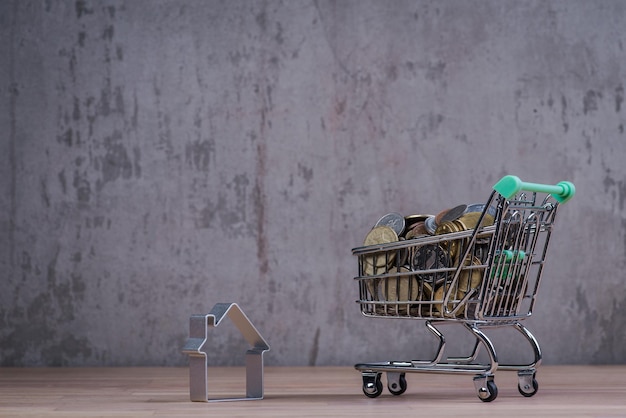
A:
564	391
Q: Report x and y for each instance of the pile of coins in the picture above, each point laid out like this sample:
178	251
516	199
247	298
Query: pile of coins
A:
422	272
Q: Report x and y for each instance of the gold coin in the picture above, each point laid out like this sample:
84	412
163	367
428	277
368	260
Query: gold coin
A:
413	219
438	300
416	218
427	291
449	227
417	230
372	288
380	235
452	246
469	278
426	295
400	288
471	219
369	269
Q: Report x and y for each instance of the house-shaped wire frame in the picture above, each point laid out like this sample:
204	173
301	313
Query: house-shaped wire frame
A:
196	348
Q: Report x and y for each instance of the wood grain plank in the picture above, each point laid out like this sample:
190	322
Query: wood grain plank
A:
572	391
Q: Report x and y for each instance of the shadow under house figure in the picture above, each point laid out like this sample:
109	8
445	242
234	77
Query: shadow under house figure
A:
197	348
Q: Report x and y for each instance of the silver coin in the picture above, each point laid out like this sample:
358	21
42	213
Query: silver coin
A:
431	257
479	207
430	225
393	220
454	213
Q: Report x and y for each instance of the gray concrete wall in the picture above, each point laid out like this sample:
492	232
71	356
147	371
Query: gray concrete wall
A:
158	157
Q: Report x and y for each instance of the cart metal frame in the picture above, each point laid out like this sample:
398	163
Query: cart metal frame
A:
480	278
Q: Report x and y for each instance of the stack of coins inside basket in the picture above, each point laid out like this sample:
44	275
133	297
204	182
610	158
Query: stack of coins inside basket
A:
414	279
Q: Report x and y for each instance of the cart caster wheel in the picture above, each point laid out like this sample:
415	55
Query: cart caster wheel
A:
372	385
396	383
489	392
528	385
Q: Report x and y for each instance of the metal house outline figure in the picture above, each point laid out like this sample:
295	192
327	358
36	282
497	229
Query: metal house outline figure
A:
196	348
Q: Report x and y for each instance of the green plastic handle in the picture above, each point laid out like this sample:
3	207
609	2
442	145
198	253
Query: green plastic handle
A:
509	186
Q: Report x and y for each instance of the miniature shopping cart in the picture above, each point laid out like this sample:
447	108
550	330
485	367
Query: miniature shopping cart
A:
481	275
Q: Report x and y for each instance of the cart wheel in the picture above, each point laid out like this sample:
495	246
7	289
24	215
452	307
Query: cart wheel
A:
372	385
488	393
396	386
528	390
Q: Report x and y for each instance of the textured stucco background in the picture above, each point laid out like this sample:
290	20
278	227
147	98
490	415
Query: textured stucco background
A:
158	157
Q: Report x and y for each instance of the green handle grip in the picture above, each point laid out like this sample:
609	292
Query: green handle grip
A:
509	186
